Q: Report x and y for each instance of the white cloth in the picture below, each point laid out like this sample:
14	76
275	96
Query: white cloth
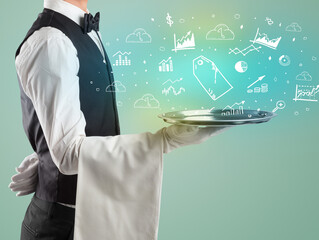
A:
120	177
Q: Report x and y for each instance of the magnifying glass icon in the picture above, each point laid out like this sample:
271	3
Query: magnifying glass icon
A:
280	105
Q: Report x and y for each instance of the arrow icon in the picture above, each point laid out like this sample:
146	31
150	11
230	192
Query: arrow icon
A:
258	80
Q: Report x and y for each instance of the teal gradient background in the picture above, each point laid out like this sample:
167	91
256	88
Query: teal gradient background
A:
255	182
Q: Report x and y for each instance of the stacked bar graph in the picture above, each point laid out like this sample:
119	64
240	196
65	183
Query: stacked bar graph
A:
122	62
166	65
122	59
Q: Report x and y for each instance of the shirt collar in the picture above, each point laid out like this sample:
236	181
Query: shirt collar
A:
69	10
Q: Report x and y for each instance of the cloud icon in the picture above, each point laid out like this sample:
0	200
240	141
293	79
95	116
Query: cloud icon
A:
220	32
304	76
294	27
116	86
147	101
139	36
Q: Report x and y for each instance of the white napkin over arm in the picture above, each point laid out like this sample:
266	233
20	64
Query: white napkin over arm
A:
119	187
120	182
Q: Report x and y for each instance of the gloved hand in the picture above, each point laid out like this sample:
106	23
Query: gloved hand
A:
26	179
182	135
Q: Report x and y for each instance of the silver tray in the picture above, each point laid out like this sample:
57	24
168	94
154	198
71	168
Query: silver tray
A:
219	117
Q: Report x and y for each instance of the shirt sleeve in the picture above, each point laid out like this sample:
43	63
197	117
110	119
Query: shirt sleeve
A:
47	67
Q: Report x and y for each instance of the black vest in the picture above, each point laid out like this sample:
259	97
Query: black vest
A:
98	106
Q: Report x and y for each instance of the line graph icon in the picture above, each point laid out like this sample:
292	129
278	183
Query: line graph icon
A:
245	51
166	65
262	38
173	82
122	59
187	42
235	109
306	93
173	90
210	78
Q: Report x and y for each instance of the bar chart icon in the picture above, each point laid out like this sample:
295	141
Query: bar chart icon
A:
166	65
122	59
185	43
306	93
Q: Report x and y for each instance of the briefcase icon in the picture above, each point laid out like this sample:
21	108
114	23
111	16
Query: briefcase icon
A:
210	78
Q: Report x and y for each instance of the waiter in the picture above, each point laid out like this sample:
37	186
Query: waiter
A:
73	127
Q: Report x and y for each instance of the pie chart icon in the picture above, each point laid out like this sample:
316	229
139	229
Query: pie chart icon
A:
241	66
284	60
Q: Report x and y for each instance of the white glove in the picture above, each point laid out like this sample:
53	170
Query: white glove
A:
182	135
26	179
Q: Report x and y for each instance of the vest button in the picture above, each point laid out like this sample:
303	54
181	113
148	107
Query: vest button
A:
104	61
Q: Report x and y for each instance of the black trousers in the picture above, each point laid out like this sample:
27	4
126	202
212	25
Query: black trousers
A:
47	221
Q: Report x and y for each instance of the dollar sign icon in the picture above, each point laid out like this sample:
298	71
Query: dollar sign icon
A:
269	21
169	20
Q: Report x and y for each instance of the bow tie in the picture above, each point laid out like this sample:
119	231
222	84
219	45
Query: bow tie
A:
90	22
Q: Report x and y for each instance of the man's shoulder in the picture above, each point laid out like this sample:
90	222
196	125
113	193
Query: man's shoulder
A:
46	34
43	37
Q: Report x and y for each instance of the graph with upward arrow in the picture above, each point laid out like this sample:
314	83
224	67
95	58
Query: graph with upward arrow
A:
185	43
171	88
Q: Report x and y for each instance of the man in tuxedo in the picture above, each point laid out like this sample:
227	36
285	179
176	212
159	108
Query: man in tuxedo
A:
72	126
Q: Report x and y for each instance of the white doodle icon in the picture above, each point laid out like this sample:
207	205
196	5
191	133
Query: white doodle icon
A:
269	21
116	86
169	20
241	66
245	51
232	110
166	91
294	27
185	43
173	82
122	59
265	41
237	16
306	93
284	60
210	78
172	89
166	65
139	36
262	89
258	80
147	101
220	32
279	105
304	76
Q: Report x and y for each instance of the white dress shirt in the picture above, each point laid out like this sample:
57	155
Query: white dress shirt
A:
119	177
47	68
49	54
